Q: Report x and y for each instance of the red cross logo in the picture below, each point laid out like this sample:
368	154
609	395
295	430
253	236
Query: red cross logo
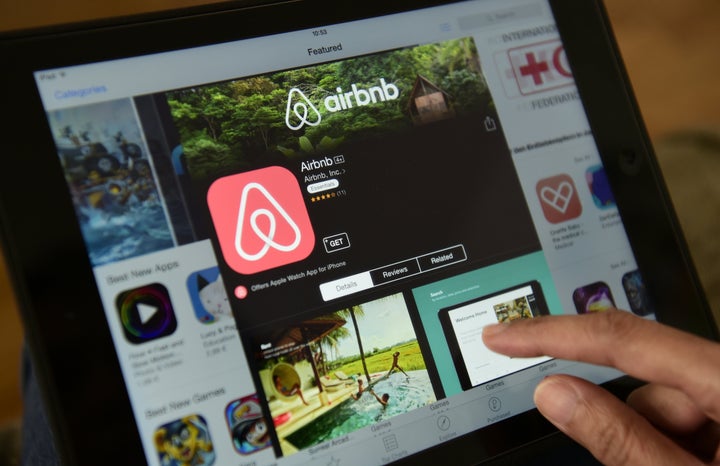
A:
534	68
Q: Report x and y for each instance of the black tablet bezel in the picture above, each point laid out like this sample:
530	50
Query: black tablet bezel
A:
84	391
628	157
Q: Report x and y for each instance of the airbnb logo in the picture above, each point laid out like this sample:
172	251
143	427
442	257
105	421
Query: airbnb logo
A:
260	219
298	110
268	239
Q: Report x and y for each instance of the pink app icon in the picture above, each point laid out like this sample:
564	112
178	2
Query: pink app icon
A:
559	198
260	219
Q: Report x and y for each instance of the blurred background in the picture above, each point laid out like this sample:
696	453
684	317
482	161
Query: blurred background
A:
670	50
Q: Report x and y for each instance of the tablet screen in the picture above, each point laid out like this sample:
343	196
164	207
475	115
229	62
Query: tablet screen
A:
297	238
463	324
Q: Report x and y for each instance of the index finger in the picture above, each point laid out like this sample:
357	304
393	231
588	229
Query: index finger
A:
644	349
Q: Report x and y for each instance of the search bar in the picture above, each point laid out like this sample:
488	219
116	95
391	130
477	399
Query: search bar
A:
499	17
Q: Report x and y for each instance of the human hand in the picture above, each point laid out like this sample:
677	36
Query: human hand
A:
674	420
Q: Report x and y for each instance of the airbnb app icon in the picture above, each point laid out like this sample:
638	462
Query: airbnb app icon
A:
260	219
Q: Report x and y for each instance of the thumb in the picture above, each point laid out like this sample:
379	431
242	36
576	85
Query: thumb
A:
614	433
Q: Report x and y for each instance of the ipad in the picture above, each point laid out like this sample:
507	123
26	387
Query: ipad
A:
270	233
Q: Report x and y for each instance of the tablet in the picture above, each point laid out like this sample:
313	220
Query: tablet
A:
269	232
463	323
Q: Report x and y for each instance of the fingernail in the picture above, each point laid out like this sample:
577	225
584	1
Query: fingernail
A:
494	329
556	400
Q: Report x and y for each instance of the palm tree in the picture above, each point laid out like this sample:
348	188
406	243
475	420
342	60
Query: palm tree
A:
331	342
354	312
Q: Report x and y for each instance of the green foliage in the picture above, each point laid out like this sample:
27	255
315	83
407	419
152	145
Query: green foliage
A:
208	159
328	144
230	125
468	90
410	359
325	145
286	151
306	145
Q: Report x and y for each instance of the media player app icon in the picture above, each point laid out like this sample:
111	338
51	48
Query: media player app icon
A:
146	313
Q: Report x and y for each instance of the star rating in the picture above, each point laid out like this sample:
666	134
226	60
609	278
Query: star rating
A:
323	197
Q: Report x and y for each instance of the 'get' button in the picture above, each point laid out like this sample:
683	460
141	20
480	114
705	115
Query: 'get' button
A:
336	242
